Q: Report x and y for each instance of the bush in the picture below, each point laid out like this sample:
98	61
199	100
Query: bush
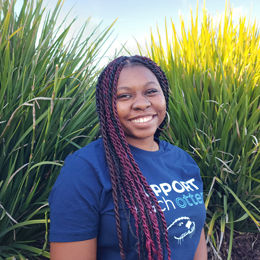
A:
47	111
214	77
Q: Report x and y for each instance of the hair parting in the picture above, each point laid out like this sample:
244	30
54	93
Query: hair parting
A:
129	187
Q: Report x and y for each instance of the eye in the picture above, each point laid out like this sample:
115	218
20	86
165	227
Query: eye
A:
151	91
124	96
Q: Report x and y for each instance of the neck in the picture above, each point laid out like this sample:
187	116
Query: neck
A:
147	145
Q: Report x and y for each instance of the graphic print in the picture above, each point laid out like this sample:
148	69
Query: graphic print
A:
185	227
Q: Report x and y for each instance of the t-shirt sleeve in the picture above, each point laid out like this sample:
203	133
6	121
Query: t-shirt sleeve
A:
74	202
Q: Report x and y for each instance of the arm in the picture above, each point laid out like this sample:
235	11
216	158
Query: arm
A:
74	215
81	250
201	252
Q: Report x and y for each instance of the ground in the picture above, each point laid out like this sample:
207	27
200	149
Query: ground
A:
246	246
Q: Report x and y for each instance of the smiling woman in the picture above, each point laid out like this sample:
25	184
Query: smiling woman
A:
141	106
118	198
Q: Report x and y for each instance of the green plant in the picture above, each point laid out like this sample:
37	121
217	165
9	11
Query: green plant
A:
46	112
214	77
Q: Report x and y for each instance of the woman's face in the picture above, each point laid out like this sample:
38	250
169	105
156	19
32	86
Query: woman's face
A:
141	105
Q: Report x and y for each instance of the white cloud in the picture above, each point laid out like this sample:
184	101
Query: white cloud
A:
238	12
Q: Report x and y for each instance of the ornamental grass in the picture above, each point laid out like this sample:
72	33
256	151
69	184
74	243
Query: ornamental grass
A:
46	112
213	70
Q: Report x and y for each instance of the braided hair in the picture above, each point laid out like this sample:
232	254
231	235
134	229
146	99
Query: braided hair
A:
129	187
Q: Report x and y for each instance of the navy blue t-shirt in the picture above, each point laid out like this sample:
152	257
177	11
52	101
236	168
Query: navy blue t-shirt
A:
82	205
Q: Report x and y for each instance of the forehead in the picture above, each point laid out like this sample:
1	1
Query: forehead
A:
136	75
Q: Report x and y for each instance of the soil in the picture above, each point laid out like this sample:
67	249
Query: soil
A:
246	246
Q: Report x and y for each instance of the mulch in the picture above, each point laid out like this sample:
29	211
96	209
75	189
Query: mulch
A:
246	246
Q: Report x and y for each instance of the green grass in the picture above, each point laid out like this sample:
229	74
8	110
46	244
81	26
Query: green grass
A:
47	111
213	71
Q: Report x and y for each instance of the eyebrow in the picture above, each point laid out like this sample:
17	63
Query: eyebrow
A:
147	84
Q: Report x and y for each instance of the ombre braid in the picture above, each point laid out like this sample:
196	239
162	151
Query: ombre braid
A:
129	187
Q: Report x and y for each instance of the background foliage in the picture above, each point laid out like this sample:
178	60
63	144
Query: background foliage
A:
46	112
214	75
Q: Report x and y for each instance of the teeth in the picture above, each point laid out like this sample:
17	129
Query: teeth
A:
142	119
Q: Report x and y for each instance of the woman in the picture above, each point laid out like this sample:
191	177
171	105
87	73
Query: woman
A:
129	195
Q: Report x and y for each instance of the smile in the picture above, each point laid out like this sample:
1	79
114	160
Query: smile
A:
142	119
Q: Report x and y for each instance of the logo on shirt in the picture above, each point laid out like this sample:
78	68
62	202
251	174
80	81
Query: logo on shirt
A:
183	226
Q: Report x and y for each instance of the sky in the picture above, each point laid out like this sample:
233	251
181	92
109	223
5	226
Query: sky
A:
136	18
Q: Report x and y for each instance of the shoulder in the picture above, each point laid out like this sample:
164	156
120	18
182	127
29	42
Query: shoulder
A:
82	171
83	166
170	147
89	156
176	152
94	151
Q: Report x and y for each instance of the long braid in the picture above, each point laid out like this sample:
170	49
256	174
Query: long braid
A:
144	197
128	184
106	137
165	90
163	81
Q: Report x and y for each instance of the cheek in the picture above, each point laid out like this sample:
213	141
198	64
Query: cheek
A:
161	104
162	108
120	111
164	105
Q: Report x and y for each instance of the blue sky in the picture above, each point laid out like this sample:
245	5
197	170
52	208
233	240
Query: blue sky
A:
137	17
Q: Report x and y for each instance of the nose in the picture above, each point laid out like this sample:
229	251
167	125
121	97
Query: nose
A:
141	103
